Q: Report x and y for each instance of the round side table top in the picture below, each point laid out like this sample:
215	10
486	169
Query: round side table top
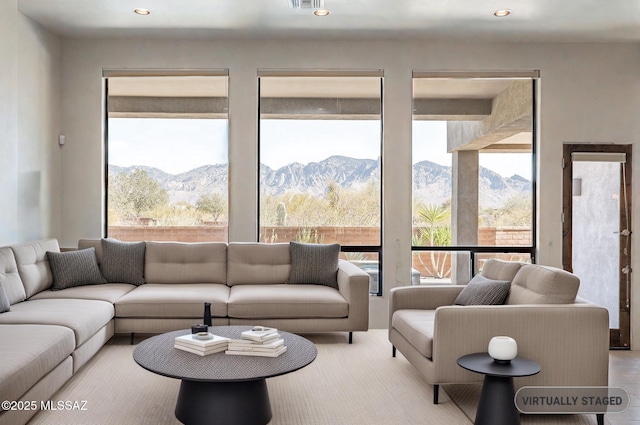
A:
483	363
158	355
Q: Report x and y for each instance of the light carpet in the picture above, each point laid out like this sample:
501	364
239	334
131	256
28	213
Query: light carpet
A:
346	385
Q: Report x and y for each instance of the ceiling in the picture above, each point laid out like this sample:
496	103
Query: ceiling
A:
530	21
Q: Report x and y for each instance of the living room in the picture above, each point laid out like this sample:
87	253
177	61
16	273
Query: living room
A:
52	85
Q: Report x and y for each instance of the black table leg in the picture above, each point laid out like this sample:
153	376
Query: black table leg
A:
496	406
224	403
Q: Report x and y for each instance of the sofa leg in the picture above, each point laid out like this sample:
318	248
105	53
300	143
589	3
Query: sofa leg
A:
600	418
350	337
435	393
131	338
393	351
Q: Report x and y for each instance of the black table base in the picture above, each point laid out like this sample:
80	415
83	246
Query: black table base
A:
496	406
224	403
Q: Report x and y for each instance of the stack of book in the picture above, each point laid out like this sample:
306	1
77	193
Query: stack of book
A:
259	341
199	344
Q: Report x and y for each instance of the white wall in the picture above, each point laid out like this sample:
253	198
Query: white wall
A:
588	93
30	195
39	155
8	122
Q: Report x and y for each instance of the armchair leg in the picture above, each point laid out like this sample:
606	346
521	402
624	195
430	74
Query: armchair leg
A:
600	418
131	338
393	351
350	337
435	393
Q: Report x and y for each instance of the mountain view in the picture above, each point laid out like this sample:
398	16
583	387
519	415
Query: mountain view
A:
432	182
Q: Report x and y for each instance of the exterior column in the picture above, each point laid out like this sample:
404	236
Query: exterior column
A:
464	211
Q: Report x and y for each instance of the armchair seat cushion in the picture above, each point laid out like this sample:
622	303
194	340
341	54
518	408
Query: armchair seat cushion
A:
416	326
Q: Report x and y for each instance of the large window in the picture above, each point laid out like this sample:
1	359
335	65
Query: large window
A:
166	153
473	181
320	146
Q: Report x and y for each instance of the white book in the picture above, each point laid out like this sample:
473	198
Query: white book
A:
260	334
267	343
258	353
223	344
273	346
199	351
191	339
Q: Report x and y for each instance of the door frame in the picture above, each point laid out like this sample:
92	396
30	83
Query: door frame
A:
618	338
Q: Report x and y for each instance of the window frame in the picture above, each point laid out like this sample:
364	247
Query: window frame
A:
474	250
377	249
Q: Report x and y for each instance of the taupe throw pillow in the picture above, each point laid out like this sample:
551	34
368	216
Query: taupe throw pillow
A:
74	268
123	262
315	264
4	300
483	291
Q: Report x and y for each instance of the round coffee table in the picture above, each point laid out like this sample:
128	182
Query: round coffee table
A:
496	406
222	388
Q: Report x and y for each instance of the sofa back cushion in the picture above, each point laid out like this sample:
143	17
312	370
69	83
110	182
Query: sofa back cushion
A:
535	284
9	276
33	264
500	270
258	263
176	262
92	243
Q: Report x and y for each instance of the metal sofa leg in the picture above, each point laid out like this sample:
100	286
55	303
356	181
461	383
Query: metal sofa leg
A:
131	338
600	418
435	393
393	351
350	337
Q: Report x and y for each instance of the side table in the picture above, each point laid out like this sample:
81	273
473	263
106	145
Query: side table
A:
496	406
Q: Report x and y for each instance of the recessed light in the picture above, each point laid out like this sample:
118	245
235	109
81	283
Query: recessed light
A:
502	13
321	12
142	11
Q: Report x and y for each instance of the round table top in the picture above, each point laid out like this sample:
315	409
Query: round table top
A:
157	354
483	363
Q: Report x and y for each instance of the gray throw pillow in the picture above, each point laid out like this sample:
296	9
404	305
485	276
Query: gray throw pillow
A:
483	291
314	263
74	268
4	300
123	262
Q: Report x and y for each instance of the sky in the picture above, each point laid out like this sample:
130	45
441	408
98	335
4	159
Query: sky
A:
158	142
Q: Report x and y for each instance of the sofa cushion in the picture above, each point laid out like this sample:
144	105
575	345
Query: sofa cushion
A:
33	264
174	262
110	292
483	291
251	263
314	264
5	305
184	300
29	352
74	268
123	262
92	243
286	301
500	270
535	284
84	317
416	326
13	286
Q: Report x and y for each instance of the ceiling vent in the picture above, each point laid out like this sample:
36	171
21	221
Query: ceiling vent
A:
306	4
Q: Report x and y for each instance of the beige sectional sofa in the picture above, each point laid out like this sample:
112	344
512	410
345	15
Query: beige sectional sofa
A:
49	334
566	335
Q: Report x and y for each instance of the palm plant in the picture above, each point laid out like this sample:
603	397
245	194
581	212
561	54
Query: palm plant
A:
436	231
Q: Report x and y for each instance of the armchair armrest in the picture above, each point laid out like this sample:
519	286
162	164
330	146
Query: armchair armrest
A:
569	341
353	284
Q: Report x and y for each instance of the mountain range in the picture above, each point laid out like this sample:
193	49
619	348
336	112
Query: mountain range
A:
432	182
